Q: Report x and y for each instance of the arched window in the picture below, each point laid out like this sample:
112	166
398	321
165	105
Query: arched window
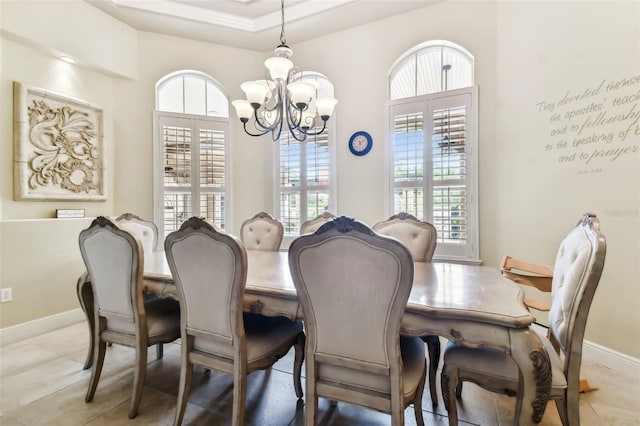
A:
191	155
304	170
433	133
431	67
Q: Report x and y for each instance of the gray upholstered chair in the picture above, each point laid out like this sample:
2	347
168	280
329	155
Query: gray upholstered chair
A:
420	238
312	225
210	270
353	286
144	230
262	232
576	274
114	261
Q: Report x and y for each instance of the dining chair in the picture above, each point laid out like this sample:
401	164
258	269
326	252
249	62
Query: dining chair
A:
420	238
210	269
262	232
312	225
114	261
353	286
576	274
536	281
145	230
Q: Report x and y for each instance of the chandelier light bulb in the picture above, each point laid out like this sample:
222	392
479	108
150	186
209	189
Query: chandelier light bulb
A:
244	110
301	93
256	92
278	67
325	107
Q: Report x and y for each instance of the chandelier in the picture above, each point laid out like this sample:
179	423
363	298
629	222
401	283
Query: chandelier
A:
288	97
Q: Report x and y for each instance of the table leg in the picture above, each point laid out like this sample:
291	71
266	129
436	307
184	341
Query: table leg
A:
85	296
535	369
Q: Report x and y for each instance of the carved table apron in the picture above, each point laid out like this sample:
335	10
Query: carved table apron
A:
470	305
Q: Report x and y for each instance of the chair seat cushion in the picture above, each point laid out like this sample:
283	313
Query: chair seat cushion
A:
413	363
268	336
163	317
495	363
264	337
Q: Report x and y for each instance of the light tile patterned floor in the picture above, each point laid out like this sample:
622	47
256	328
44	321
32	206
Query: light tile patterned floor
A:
42	383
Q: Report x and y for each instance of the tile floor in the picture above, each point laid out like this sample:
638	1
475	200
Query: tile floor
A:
42	383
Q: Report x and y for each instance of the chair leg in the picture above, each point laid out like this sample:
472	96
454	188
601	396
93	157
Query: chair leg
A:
433	346
85	296
186	373
99	350
140	371
311	405
562	406
397	413
449	383
459	389
159	351
239	394
297	364
311	398
417	401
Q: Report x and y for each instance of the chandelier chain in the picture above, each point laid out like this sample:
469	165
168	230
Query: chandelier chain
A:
283	39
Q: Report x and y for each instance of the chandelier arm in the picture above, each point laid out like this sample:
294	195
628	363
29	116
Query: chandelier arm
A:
297	133
292	112
315	133
262	125
275	135
277	110
244	123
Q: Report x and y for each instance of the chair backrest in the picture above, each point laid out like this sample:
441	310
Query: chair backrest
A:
312	225
262	232
353	285
146	231
210	270
114	261
418	236
576	274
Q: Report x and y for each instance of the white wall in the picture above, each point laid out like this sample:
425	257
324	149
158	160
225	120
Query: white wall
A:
39	256
526	53
547	50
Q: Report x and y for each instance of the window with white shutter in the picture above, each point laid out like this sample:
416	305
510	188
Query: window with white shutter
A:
305	173
434	138
191	141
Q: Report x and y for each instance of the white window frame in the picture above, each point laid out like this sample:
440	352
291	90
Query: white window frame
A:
181	119
426	104
304	189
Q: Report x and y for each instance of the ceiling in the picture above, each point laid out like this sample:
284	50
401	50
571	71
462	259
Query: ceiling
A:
251	24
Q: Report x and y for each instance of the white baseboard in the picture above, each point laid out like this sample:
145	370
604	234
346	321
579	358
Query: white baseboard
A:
39	326
616	361
594	352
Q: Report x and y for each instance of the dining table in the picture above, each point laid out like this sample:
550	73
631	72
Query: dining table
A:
471	305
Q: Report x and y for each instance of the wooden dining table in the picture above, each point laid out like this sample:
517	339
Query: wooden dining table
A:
468	304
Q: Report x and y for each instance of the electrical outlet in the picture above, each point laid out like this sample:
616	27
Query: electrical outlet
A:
5	295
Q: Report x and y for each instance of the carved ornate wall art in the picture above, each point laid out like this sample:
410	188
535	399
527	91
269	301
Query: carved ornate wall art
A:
58	147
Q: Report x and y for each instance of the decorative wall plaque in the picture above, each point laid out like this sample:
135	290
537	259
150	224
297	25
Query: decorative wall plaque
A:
58	147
